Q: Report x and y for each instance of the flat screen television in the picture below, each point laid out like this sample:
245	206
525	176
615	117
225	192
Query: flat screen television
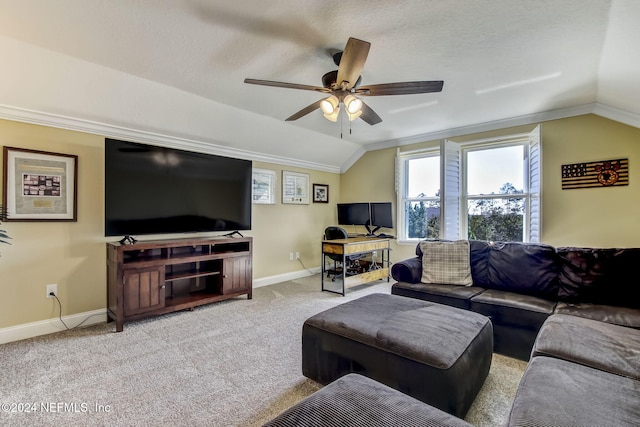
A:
353	213
381	215
158	190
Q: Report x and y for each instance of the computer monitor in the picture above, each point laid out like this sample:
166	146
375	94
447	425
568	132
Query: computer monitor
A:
381	215
353	213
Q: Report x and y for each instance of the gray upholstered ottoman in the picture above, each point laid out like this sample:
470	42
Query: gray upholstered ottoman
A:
438	354
354	400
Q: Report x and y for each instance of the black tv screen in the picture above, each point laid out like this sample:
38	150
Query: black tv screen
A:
381	215
157	190
353	213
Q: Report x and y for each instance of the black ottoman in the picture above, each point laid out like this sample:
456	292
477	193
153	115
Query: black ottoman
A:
354	400
438	354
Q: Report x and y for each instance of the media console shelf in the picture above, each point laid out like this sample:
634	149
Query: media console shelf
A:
161	276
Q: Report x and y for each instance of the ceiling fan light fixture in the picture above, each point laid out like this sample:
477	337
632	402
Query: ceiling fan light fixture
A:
353	116
352	104
330	105
333	116
338	85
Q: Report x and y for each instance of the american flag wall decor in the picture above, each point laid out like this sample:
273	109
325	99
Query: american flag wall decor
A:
603	173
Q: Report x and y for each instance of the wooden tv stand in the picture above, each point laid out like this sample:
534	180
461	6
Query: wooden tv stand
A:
155	277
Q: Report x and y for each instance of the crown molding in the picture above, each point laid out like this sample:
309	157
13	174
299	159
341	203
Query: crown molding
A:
352	159
211	147
621	116
616	114
118	132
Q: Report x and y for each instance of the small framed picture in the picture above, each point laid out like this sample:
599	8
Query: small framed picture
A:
39	185
264	186
295	188
320	193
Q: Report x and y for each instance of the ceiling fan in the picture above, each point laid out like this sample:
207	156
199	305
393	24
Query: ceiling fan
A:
343	87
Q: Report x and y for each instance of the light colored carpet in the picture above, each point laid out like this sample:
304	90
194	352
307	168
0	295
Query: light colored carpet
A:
234	363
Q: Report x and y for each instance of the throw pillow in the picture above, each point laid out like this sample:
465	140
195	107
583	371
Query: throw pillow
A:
446	262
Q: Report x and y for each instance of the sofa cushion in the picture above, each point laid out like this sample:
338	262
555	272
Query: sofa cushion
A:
622	316
600	345
554	392
446	262
455	296
527	268
515	309
516	319
479	251
603	276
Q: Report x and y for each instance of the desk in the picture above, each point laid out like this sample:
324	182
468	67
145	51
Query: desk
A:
355	246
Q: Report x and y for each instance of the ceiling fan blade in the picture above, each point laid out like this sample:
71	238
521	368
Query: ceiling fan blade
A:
306	110
286	85
369	116
353	58
403	88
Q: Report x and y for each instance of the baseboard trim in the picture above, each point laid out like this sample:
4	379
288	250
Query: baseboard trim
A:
270	280
49	326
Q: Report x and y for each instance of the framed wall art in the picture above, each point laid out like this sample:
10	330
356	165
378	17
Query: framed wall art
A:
601	173
295	188
39	185
264	186
320	193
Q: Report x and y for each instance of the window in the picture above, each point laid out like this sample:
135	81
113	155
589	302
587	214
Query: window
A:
494	196
422	201
483	190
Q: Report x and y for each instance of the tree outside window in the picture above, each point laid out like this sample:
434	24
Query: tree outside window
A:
497	219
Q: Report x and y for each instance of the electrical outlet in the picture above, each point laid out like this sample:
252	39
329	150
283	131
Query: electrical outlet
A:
297	255
290	256
52	288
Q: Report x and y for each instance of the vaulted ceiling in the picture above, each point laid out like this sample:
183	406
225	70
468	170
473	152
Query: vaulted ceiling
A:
173	71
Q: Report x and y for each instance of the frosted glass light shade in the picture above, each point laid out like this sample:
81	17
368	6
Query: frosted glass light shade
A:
352	104
353	116
333	116
330	105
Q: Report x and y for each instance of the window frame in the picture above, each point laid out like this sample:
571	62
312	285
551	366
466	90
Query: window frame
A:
465	197
453	192
402	177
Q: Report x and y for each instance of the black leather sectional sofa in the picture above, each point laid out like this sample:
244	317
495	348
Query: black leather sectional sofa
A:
571	312
519	285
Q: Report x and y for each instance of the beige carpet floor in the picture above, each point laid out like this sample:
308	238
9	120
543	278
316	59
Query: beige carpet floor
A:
234	363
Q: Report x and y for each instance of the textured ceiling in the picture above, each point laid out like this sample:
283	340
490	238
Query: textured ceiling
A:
499	59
